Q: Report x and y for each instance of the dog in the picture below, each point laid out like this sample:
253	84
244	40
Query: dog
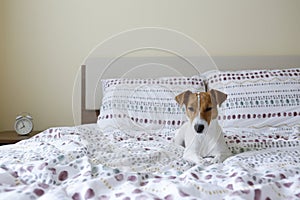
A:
202	135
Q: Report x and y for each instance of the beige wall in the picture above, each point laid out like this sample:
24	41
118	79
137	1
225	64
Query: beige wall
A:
2	63
46	41
1	37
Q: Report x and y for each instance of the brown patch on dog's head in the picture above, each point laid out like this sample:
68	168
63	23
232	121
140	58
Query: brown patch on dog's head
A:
207	107
217	97
183	97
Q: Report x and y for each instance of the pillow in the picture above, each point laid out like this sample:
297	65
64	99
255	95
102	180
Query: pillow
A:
258	98
248	139
144	104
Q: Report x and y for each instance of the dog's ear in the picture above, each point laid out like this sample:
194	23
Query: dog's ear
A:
183	97
217	97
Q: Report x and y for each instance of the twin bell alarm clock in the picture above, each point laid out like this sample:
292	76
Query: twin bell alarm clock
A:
23	124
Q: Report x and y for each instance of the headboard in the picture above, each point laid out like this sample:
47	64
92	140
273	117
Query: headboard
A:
87	115
95	69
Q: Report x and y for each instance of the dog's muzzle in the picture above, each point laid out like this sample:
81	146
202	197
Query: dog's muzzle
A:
199	128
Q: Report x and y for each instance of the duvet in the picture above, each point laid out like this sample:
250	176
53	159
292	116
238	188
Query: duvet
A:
83	162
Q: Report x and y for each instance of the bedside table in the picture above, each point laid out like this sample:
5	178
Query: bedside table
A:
10	137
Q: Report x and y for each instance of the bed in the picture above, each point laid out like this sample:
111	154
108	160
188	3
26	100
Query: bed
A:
126	151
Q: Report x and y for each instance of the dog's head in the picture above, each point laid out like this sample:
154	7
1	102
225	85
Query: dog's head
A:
201	107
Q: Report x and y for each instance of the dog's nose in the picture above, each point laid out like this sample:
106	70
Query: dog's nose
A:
199	128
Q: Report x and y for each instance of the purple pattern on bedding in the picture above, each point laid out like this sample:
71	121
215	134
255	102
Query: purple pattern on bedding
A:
84	163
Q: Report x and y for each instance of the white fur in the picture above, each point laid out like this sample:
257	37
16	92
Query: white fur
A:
198	145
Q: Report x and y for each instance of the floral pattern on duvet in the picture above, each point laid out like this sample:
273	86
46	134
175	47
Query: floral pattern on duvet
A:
84	163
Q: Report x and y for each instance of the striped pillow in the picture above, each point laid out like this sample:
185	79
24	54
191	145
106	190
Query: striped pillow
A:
144	104
258	98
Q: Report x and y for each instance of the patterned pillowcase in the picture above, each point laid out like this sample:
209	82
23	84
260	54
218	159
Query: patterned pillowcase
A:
247	139
258	98
145	104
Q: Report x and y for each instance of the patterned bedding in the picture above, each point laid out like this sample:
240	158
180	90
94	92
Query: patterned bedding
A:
129	153
83	162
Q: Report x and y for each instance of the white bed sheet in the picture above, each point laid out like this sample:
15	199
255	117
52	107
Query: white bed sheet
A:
84	163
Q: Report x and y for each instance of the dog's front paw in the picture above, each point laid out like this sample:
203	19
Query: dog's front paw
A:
216	159
219	158
192	157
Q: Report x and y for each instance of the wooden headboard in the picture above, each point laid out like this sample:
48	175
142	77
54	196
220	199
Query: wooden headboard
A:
87	115
95	69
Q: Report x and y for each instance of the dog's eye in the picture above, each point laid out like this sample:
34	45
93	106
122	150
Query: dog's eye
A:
191	109
208	109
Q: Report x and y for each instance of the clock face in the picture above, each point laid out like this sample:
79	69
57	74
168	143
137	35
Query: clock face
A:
23	126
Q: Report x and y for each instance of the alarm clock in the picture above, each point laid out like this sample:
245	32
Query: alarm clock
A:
23	124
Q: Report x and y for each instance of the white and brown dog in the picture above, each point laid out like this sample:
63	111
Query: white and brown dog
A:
201	135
